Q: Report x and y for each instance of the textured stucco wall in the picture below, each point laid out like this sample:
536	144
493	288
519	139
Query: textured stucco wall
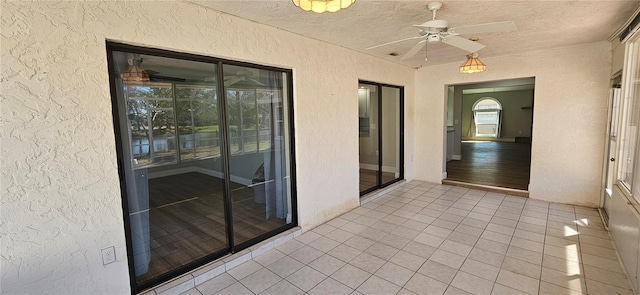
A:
569	118
60	192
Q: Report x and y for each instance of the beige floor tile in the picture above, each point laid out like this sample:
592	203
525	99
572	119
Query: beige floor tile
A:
408	260
429	239
306	278
367	262
327	264
216	284
241	271
548	288
306	254
456	248
471	283
522	267
344	252
382	251
601	262
285	266
269	257
339	235
351	276
360	243
561	278
595	287
518	281
447	258
605	276
504	290
455	291
394	273
560	264
421	284
438	271
330	286
260	280
486	256
480	269
235	289
420	249
377	285
524	254
283	288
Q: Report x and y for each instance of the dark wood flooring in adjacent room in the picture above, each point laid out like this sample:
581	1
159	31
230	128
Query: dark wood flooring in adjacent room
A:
187	219
501	164
368	178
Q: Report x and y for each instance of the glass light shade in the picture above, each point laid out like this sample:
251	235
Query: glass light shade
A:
472	65
134	72
320	6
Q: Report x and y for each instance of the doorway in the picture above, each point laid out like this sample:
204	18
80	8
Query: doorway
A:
489	133
380	119
205	156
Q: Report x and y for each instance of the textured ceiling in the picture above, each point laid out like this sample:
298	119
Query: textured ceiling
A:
541	24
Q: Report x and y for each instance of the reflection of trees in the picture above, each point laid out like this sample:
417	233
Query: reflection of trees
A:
196	107
150	105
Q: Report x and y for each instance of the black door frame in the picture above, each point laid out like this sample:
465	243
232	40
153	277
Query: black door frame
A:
225	157
379	183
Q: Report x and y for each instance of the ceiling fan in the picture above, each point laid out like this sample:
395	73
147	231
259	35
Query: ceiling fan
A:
437	30
241	78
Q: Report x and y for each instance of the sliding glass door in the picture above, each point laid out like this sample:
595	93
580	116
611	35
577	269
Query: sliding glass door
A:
204	150
380	117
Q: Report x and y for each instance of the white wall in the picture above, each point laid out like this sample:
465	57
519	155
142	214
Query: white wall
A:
569	118
61	201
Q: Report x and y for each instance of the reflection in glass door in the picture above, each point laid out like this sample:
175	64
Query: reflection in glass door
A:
204	156
380	135
260	192
368	136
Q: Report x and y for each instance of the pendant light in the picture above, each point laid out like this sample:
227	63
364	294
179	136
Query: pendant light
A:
134	72
472	65
320	6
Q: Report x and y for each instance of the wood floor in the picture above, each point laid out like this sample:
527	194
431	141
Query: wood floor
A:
368	178
501	164
187	220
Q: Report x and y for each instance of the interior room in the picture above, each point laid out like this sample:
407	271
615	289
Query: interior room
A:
493	144
263	147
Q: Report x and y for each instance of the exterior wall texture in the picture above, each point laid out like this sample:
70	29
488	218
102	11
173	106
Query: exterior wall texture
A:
61	199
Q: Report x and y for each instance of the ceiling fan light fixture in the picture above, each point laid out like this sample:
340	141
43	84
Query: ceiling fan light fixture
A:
321	6
472	65
134	73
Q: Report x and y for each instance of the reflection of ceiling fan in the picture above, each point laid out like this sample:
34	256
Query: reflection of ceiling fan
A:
437	30
241	78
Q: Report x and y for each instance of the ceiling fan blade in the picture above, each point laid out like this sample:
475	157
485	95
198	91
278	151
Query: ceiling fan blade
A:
393	42
255	81
462	43
414	49
232	81
507	26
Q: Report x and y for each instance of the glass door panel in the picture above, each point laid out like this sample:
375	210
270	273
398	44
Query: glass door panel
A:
368	137
256	106
390	134
170	142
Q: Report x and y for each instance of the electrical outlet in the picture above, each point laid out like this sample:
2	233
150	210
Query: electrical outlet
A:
108	255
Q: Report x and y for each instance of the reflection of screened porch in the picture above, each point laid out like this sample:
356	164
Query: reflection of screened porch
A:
171	119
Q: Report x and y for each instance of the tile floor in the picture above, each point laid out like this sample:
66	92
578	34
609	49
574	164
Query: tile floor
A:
424	238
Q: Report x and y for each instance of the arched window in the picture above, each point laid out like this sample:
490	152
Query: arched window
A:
487	117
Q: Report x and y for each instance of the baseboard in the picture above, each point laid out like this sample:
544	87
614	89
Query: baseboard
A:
495	189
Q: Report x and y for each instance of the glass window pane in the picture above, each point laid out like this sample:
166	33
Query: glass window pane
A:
260	180
631	93
197	119
176	203
368	136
